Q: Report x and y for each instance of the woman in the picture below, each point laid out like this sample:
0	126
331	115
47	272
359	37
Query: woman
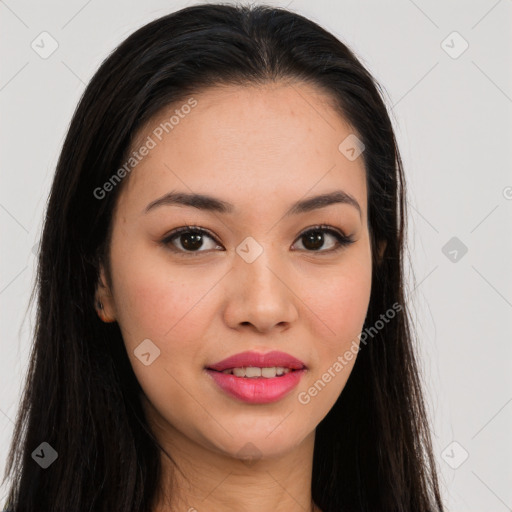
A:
221	320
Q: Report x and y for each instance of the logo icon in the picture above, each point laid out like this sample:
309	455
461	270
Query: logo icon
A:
44	45
249	249
454	249
147	352
454	45
44	455
351	147
454	455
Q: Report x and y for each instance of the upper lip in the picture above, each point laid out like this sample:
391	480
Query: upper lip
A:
258	360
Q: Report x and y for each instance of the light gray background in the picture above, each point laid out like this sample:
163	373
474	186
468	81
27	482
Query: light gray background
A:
453	122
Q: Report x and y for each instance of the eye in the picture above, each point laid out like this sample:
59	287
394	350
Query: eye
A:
190	238
315	238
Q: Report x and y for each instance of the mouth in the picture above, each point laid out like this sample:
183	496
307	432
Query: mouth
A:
257	378
254	372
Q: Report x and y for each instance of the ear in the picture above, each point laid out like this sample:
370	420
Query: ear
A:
103	299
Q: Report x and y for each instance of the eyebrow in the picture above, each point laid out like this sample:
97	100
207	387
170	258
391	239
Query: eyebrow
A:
213	204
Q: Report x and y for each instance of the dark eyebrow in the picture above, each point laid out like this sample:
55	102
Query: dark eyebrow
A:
208	203
200	201
323	200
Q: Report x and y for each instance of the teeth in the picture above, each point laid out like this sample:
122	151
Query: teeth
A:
249	372
254	372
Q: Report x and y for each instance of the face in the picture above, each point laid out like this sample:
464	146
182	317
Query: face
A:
258	275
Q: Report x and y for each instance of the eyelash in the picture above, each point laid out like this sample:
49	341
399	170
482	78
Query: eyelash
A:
343	240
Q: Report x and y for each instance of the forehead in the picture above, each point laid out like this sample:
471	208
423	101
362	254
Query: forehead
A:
245	143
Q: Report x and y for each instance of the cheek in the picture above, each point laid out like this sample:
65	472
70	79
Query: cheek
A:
339	300
156	302
338	308
338	304
166	308
349	303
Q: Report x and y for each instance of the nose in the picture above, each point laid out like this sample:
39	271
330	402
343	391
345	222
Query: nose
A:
260	296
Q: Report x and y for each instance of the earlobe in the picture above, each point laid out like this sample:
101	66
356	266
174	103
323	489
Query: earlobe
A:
103	300
102	313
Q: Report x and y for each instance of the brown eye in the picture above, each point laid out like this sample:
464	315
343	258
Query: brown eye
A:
191	240
315	238
188	239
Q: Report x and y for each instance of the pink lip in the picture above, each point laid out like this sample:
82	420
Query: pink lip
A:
258	390
258	360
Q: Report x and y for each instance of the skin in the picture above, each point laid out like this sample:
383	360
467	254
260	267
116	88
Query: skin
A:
261	149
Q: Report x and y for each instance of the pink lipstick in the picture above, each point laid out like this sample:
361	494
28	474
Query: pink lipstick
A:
257	378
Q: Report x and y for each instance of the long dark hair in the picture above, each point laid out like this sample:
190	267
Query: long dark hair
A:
373	449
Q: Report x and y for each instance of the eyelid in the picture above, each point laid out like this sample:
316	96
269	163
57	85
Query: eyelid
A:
342	239
185	229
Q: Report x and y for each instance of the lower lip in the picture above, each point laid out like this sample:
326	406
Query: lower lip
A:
257	390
